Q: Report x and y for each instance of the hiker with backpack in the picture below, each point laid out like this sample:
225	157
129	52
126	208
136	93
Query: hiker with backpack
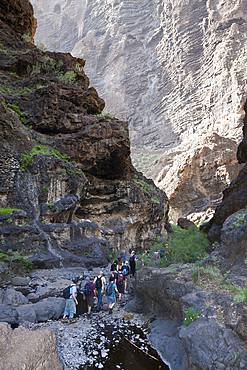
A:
100	283
114	266
132	263
111	290
120	285
89	293
70	294
126	274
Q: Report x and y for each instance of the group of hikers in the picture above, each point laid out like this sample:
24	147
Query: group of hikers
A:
121	270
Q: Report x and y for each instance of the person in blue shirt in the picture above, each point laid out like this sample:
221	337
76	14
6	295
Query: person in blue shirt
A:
71	303
111	297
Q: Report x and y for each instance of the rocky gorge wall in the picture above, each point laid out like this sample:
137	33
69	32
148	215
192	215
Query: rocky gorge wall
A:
176	70
68	190
211	339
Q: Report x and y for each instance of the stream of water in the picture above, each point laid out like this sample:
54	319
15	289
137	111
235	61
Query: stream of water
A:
120	354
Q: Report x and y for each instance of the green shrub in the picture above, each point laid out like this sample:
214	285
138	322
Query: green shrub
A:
26	160
45	190
34	70
240	220
61	170
17	110
26	38
113	255
41	46
183	246
2	48
67	78
26	263
3	257
56	153
8	211
191	315
186	245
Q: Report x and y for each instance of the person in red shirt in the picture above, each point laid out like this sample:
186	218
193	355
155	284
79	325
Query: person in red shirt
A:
89	297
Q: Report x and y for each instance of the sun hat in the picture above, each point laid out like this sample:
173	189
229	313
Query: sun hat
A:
126	262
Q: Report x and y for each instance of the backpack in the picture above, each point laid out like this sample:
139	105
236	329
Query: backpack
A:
98	283
66	292
109	289
125	270
87	289
120	279
132	259
113	267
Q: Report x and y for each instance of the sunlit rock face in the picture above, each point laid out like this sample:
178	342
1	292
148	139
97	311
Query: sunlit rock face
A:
175	69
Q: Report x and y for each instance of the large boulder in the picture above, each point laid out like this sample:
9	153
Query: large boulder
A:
26	312
20	280
164	337
31	350
49	308
219	340
13	298
48	289
9	314
184	223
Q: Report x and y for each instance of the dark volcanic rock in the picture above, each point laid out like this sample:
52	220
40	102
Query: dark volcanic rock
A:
20	280
18	15
9	314
49	308
44	261
216	351
184	223
164	337
13	298
209	341
26	313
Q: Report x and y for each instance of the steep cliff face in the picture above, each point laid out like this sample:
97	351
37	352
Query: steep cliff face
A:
175	69
234	196
65	168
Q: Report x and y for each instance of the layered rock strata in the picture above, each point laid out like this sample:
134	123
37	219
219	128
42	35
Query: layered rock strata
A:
65	168
176	71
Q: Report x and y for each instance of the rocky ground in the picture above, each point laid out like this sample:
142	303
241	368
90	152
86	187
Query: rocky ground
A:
209	297
89	342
